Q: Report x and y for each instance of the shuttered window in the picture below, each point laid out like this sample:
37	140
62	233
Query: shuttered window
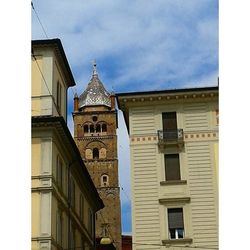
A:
59	172
58	95
172	167
169	125
175	223
72	192
81	209
59	229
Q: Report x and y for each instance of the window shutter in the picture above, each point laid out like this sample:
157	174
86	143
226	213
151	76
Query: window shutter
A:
172	167
175	218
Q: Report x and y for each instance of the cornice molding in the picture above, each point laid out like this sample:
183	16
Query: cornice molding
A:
174	200
169	97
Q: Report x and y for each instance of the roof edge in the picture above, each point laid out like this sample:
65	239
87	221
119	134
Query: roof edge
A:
168	91
55	119
58	43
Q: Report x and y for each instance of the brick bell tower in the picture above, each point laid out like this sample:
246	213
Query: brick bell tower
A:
95	124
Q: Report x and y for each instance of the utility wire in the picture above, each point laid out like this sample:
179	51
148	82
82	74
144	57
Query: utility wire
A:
53	99
32	5
41	74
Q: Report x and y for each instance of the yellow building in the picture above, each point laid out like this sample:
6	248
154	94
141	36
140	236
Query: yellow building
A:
174	167
64	198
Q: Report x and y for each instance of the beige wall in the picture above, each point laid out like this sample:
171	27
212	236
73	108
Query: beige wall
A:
198	165
46	72
45	203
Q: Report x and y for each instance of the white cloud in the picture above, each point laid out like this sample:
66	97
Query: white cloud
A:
138	44
161	40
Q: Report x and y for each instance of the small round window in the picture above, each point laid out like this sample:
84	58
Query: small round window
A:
94	118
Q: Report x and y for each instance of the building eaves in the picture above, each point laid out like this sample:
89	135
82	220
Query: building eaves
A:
56	42
41	121
166	91
127	98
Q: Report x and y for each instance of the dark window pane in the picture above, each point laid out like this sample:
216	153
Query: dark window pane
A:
172	167
104	128
86	128
172	233
180	232
98	128
95	153
91	128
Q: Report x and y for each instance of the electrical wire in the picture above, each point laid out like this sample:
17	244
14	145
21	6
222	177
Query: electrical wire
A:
45	81
32	5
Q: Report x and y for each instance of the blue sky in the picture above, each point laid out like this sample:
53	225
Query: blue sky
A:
138	45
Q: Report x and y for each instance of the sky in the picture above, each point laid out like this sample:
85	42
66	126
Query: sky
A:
138	45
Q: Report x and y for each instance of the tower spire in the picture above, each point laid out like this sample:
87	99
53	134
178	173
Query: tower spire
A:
94	68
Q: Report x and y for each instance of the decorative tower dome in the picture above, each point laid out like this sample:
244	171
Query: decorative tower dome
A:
95	93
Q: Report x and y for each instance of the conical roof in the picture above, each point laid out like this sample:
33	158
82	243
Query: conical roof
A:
95	93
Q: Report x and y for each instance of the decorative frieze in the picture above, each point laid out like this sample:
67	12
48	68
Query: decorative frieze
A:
192	136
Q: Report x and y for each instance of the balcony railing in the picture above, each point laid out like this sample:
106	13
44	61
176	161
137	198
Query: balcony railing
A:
170	136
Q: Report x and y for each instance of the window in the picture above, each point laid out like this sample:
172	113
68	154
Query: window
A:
172	167
98	128
175	223
72	237
104	127
59	227
96	153
82	243
169	125
92	130
105	180
72	192
58	95
90	222
81	209
86	128
94	118
59	172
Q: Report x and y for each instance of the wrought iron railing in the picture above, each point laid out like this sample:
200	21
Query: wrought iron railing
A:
170	135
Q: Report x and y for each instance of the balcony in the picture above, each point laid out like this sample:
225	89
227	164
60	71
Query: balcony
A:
170	138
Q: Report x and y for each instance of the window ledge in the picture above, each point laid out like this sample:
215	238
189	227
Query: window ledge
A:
175	182
177	241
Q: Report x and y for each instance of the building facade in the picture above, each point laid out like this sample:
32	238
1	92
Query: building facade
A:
95	124
64	199
174	167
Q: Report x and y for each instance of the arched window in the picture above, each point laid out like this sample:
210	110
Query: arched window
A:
105	180
98	128
96	153
92	128
86	128
104	127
